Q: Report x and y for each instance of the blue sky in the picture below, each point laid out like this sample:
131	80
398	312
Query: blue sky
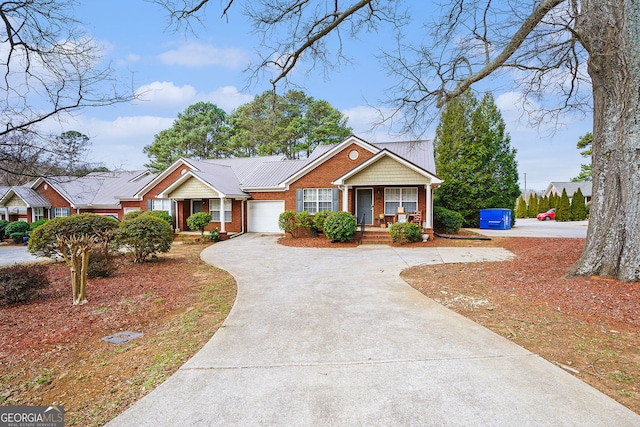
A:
176	69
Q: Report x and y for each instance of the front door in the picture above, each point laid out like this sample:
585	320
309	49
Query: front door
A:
364	204
196	206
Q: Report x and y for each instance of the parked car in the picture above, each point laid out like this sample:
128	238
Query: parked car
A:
545	216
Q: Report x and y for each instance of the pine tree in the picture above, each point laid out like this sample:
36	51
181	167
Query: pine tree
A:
521	210
563	210
578	207
475	159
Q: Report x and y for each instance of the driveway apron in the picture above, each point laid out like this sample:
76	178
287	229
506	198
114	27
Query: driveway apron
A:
334	337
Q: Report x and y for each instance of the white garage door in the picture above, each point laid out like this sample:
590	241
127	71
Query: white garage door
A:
263	215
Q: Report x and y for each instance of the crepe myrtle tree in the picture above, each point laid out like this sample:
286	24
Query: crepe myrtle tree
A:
73	238
563	54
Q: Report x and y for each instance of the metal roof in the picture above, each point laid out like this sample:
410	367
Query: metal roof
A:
571	187
270	174
30	197
420	153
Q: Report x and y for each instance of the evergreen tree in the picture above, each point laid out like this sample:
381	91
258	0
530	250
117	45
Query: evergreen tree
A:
532	208
475	159
200	132
552	200
578	207
563	210
543	204
584	144
521	210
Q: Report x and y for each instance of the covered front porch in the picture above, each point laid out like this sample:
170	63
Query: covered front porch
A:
387	189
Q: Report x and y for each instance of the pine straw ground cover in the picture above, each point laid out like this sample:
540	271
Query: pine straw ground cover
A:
52	352
587	326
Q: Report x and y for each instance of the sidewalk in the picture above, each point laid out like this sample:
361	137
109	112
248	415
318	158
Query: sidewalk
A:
334	337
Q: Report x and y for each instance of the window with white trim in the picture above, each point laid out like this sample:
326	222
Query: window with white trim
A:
214	209
59	212
38	214
396	197
161	205
315	200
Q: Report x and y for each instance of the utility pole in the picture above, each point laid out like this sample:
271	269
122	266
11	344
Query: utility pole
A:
525	184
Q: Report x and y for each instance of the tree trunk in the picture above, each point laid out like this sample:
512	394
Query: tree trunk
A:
610	30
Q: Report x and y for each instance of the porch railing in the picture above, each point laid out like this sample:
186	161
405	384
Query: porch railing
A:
361	229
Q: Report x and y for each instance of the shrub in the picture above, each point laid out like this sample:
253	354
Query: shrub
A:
100	265
320	218
446	220
287	222
133	214
214	235
164	215
144	236
407	232
17	230
340	226
3	225
37	224
198	221
305	222
521	210
21	283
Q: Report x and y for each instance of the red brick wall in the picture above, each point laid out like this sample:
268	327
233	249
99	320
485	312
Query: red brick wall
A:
162	185
57	201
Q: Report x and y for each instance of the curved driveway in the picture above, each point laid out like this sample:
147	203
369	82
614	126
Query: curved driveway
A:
333	337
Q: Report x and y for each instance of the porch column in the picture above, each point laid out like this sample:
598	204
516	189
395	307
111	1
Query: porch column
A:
428	217
222	203
345	198
6	213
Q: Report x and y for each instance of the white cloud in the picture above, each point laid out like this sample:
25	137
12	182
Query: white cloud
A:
167	96
365	121
118	143
201	55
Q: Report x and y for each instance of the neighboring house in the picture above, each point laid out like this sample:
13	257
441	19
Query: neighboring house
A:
249	194
52	197
570	187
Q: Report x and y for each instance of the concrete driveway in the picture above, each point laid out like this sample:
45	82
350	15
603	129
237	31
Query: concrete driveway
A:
333	337
531	227
10	255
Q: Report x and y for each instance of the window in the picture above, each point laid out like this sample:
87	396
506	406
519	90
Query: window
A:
38	214
396	197
161	205
59	212
315	200
214	210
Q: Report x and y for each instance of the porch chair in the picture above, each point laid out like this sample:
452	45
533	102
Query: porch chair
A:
417	217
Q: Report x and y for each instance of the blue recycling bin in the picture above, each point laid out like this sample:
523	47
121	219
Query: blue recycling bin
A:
495	219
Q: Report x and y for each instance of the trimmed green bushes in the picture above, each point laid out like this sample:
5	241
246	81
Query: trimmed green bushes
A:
144	236
17	230
197	221
320	218
446	220
297	224
340	226
407	232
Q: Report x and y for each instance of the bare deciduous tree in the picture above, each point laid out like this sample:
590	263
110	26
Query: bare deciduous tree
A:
577	53
48	68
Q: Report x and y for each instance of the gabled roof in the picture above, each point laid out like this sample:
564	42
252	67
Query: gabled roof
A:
219	178
325	152
386	153
30	197
571	187
97	189
420	153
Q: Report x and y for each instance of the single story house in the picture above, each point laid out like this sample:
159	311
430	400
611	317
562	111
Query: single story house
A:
570	187
371	180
